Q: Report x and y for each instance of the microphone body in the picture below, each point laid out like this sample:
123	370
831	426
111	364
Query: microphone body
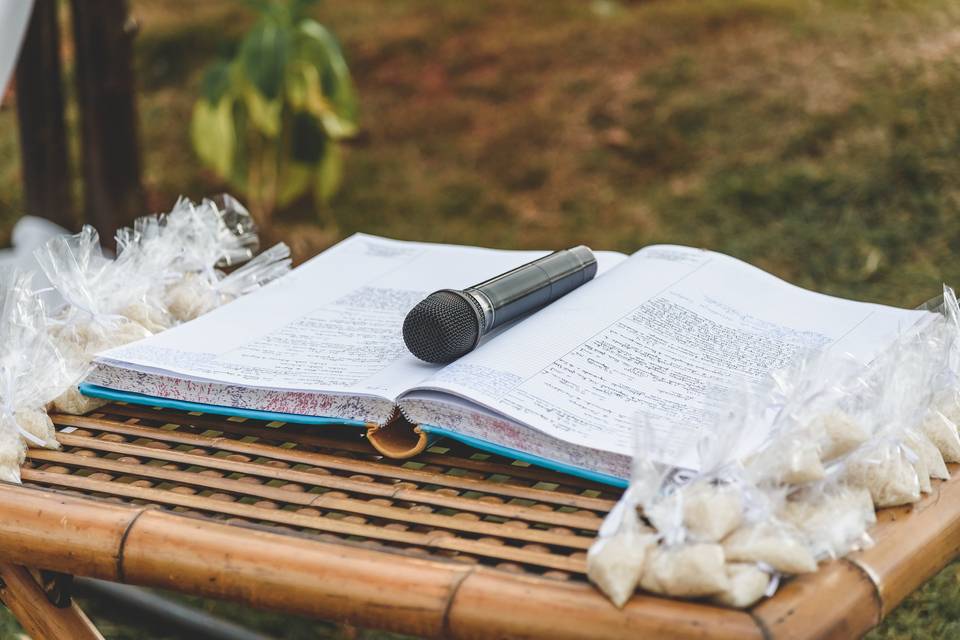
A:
449	323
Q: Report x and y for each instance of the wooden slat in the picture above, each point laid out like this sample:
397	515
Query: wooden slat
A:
474	603
843	599
342	464
837	602
38	617
263	569
435	540
913	542
296	433
44	530
488	605
287	432
295	575
347	505
273	429
365	587
574	521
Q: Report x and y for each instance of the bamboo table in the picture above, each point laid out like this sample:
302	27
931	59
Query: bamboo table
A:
456	543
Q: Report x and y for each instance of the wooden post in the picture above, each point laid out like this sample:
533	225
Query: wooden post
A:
43	138
38	617
103	35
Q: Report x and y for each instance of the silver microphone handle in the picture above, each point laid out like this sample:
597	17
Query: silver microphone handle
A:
532	286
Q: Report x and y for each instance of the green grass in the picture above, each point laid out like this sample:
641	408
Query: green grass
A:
818	140
930	613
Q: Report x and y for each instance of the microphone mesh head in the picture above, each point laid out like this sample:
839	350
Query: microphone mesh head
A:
443	327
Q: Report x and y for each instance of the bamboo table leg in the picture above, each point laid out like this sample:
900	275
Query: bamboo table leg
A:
38	617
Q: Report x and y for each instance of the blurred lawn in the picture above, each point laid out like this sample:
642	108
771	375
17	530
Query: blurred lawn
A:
817	140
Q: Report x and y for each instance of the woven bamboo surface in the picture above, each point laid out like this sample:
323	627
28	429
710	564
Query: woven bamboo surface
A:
456	543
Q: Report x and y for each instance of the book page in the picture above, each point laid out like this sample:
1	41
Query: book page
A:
669	332
334	324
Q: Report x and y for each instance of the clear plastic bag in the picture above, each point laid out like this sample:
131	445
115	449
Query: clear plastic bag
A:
824	415
711	503
691	570
616	559
196	294
32	372
695	518
214	233
627	553
765	538
927	357
144	249
941	429
887	472
711	508
942	417
829	438
773	542
833	517
690	518
183	250
931	345
817	418
98	291
261	270
837	413
238	222
895	466
746	584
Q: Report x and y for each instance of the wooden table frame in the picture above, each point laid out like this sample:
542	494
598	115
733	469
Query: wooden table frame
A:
445	548
22	593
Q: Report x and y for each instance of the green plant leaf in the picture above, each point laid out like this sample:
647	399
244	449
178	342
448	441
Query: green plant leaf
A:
305	92
329	174
213	135
320	48
264	53
337	127
264	114
286	94
308	139
216	82
297	85
294	181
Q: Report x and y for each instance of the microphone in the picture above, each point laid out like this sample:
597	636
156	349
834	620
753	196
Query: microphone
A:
449	323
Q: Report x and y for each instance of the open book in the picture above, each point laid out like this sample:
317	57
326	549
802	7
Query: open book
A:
666	330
